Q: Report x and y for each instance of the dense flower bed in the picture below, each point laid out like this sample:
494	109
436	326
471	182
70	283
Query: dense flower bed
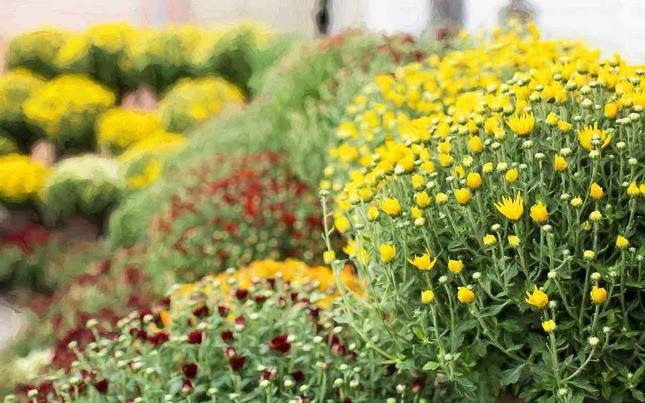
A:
235	209
491	198
265	332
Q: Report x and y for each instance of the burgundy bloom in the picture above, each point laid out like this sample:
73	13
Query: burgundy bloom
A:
268	374
236	362
195	337
189	370
102	386
298	376
241	293
158	338
240	322
280	343
222	310
227	336
201	311
417	385
259	298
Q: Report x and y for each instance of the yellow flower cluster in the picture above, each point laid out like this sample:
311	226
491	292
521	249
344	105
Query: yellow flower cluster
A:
15	87
66	108
21	179
476	174
292	271
119	128
191	101
35	50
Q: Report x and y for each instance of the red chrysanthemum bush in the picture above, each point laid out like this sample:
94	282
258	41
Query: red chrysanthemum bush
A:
267	332
256	210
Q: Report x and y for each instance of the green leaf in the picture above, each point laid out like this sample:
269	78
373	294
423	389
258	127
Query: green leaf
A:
431	366
492	310
511	376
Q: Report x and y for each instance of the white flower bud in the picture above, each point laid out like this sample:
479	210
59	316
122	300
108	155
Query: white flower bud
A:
552	275
354	383
338	382
264	383
596	276
593	341
419	222
632	161
606	329
527	144
288	383
539	156
547	228
621	145
318	339
443	279
337	329
553	304
477	275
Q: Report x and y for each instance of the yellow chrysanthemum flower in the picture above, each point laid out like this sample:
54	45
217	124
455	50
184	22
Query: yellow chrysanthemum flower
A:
511	209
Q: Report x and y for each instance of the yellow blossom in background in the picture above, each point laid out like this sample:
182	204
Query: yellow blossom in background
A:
512	175
549	326
511	209
513	241
489	240
329	256
598	295
455	266
463	196
441	198
388	252
21	178
487	167
521	123
576	202
633	190
372	213
422	199
475	144
427	296
417	182
589	255
595	215
551	119
465	295
538	298
589	134
621	242
473	180
341	223
564	126
559	163
610	110
539	213
391	207
596	191
423	262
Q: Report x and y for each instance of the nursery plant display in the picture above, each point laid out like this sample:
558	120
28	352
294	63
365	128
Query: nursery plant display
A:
265	332
491	200
21	179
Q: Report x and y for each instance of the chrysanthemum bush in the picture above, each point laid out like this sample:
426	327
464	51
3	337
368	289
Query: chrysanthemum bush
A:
191	101
15	87
231	210
35	50
21	179
66	109
119	128
491	199
265	332
86	185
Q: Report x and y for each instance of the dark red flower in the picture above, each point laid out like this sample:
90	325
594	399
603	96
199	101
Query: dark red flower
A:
201	311
189	370
417	385
280	343
241	293
158	338
259	298
227	336
268	374
236	362
222	310
102	386
195	337
298	376
240	322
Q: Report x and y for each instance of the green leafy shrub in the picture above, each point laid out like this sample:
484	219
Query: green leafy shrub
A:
35	50
87	185
491	200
